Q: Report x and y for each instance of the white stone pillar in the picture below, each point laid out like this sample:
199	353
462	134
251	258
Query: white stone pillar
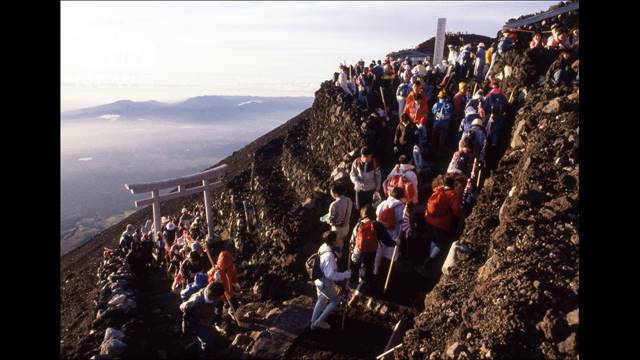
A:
438	48
155	195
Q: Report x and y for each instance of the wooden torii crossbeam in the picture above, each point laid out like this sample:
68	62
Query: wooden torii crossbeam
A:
181	182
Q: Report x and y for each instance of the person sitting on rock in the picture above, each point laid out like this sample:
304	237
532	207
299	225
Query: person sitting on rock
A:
339	214
389	212
328	298
406	136
364	239
366	177
225	273
443	205
198	314
127	238
442	111
560	71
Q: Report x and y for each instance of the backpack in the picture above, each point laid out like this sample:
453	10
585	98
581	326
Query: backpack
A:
402	182
312	266
388	217
438	204
366	239
497	104
382	235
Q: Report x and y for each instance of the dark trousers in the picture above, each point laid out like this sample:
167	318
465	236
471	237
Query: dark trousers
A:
365	273
363	198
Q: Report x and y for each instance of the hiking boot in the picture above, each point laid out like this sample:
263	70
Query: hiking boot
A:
320	324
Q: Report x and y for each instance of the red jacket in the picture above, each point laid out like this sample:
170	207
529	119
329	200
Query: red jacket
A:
458	105
455	205
227	274
419	115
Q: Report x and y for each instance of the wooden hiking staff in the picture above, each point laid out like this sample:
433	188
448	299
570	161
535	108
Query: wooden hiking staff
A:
384	103
346	305
388	352
393	257
213	265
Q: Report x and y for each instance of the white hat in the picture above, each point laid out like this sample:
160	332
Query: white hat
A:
171	226
184	210
476	122
481	44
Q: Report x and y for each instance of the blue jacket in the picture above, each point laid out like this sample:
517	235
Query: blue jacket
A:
465	125
504	45
442	110
403	90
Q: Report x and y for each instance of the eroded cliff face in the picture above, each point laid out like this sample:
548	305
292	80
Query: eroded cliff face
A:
515	294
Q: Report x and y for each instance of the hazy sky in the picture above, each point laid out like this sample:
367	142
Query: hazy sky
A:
169	51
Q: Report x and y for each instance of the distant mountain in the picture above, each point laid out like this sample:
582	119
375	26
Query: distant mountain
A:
200	108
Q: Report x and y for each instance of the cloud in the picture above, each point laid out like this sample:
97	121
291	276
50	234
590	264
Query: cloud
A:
112	117
250	102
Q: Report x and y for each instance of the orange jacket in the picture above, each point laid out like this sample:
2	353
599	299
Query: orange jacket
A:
419	115
224	272
444	222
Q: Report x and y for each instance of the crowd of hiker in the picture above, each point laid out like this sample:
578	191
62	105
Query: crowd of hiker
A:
427	111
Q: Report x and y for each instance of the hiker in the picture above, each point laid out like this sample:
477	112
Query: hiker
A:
389	212
478	71
366	177
185	218
402	92
328	298
442	67
574	40
443	205
442	111
169	235
375	130
560	71
339	214
488	59
127	238
419	69
464	61
537	41
474	139
365	238
452	58
418	107
495	105
194	263
406	136
198	314
147	227
461	162
402	175
507	42
459	101
343	80
199	282
225	273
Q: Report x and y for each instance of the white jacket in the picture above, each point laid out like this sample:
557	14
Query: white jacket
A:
407	171
343	80
328	265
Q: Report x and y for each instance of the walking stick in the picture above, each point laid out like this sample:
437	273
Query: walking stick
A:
393	257
384	103
346	305
213	265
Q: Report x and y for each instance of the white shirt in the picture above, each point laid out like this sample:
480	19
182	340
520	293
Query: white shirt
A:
328	265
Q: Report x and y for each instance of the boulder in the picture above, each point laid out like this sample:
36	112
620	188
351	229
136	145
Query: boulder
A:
454	350
573	318
112	347
517	140
552	107
569	345
112	333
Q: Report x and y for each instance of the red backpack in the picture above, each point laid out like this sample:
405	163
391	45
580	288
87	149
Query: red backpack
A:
402	182
366	239
438	204
388	217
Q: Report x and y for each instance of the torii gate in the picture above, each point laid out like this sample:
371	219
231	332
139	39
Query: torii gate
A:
181	182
